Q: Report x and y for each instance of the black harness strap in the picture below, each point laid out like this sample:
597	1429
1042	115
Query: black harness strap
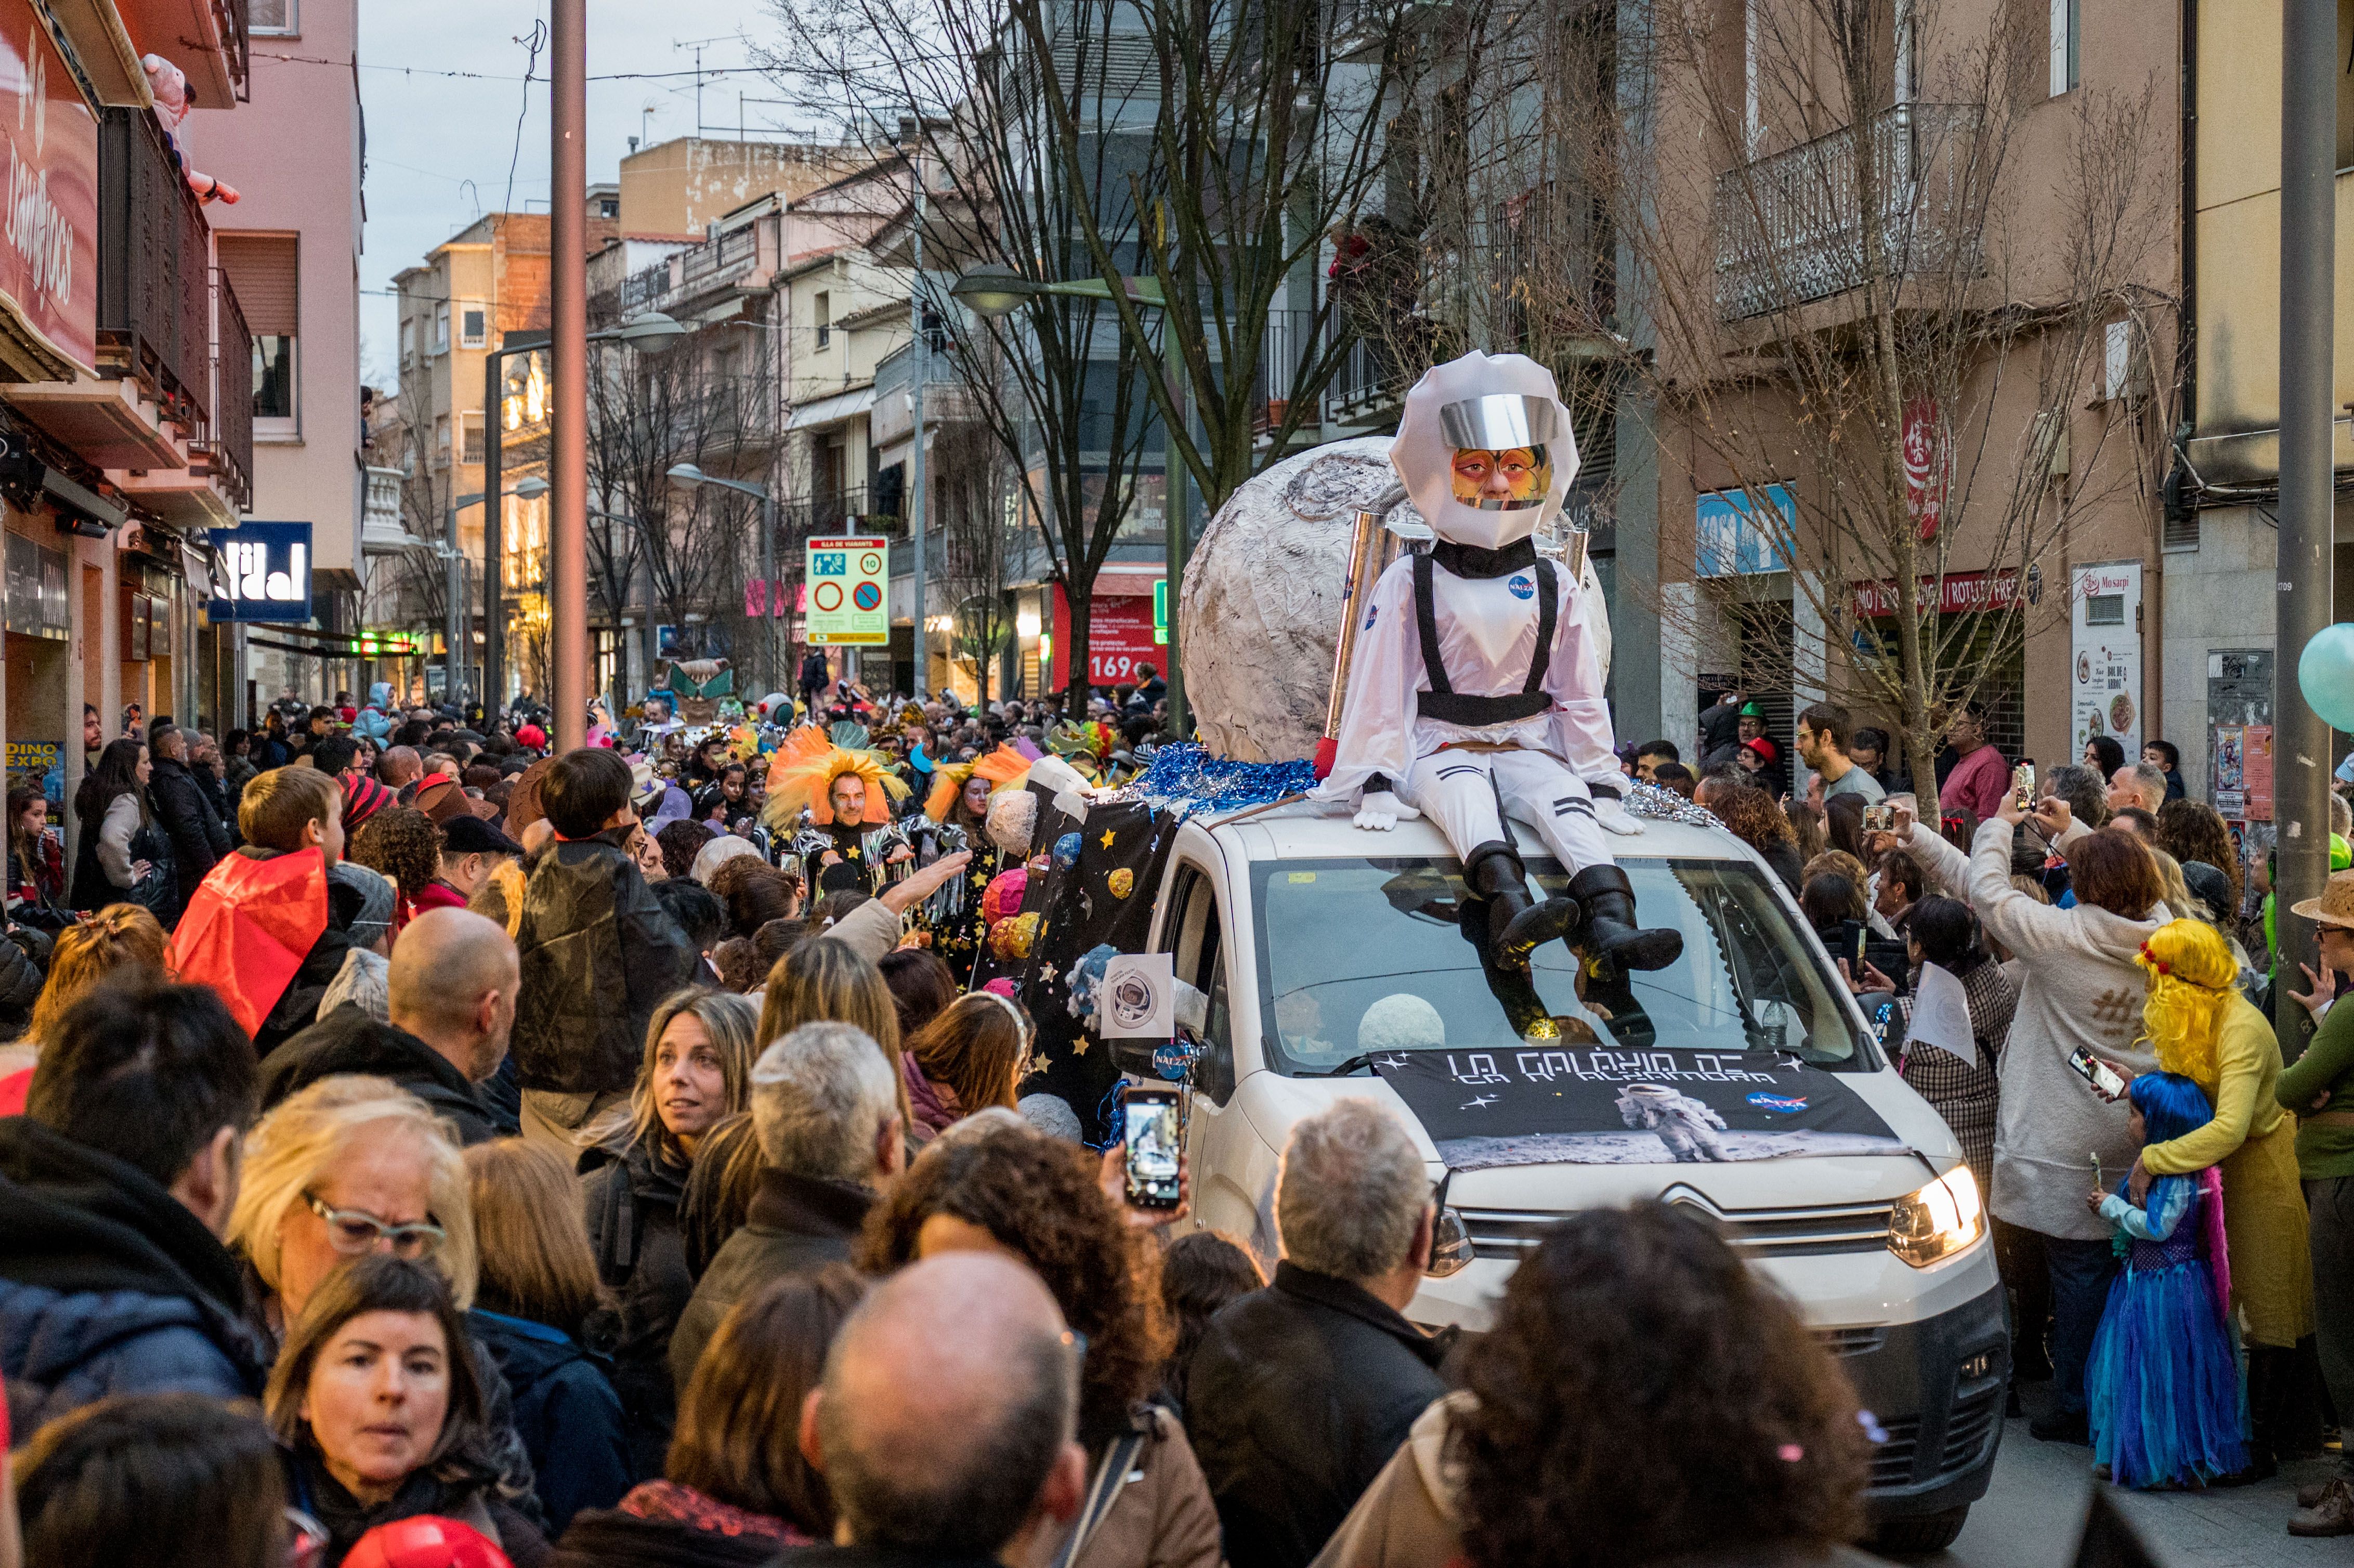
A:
1442	702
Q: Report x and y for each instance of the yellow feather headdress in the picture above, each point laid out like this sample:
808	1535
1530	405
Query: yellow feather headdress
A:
801	775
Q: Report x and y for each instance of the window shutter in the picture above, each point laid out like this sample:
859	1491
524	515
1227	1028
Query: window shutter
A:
264	271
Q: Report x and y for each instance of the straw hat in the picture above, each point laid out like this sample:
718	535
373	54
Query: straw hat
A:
2335	905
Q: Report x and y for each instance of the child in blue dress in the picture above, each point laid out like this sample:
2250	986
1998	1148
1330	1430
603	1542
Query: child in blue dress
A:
2164	1379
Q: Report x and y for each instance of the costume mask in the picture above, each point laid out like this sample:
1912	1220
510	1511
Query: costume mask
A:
1485	449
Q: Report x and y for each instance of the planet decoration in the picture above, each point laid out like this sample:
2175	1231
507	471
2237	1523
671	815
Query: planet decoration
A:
1067	851
2325	674
1122	881
1014	939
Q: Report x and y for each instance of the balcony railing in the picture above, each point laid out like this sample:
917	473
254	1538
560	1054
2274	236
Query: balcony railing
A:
840	512
1289	338
1371	375
231	446
719	253
154	269
1791	228
641	288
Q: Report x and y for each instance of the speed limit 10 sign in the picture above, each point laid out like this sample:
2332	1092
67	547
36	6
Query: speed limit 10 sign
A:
849	591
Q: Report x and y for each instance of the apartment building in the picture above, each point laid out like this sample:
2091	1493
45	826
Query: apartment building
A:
127	405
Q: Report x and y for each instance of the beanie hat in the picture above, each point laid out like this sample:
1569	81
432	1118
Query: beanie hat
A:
363	798
530	734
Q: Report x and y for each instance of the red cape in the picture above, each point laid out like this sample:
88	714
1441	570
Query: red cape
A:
249	926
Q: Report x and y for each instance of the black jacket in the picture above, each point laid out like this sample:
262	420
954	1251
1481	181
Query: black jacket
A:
92	890
797	1224
20	980
199	838
630	1201
351	1040
564	1411
109	1285
599	953
458	1488
1298	1396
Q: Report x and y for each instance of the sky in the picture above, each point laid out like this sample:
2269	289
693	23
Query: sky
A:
440	148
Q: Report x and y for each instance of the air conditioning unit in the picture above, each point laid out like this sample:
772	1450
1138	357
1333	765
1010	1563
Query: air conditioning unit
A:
2048	444
2124	362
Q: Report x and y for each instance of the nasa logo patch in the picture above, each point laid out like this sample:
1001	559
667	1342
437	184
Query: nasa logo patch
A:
1784	1104
1523	585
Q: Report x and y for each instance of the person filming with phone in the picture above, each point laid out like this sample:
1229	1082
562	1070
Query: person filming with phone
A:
2080	988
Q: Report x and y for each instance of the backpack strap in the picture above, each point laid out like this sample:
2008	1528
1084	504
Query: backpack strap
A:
1104	1490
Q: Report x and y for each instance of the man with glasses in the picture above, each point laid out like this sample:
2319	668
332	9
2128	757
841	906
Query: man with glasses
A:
116	1186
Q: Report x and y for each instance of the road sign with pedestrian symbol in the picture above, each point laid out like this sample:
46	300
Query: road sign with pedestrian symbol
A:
849	591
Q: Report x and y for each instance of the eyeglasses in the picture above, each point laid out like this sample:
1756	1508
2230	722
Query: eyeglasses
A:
354	1232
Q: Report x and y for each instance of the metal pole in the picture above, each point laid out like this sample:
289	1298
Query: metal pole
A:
450	590
916	464
768	595
2309	264
494	435
567	654
1174	527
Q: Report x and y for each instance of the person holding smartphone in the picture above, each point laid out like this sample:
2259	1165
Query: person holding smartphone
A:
2079	988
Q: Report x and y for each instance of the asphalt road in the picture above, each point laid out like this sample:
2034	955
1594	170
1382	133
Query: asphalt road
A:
2033	1513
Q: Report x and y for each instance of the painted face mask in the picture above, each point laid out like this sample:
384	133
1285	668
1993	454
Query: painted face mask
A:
1508	480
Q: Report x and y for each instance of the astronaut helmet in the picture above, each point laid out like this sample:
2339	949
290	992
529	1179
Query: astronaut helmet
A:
1484	449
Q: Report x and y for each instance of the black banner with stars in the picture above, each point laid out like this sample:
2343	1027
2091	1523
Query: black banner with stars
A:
1104	898
1595	1106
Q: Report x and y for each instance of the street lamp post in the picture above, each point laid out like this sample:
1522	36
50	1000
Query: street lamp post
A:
992	292
689	476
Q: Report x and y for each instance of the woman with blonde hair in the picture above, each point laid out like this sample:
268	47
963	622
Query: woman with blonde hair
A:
823	980
2198	1024
536	1292
119	938
697	1073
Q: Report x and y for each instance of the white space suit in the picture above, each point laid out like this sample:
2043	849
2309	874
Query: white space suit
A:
1687	1126
1476	690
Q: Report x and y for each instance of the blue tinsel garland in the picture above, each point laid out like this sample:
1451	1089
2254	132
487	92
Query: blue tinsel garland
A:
1185	773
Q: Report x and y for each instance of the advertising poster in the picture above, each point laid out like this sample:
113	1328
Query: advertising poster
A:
48	242
1120	636
2104	621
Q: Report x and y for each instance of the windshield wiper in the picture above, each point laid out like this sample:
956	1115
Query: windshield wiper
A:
1363	1059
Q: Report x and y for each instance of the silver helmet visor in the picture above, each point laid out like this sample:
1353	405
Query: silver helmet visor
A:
1499	422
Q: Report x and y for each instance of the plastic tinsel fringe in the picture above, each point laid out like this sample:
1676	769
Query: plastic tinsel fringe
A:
1183	773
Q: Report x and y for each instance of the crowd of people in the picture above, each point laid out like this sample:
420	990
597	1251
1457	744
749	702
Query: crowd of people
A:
2186	1211
411	1137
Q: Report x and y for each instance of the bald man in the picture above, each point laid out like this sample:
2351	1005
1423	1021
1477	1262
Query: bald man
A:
976	1459
451	998
399	770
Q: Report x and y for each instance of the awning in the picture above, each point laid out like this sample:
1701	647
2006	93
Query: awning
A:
832	410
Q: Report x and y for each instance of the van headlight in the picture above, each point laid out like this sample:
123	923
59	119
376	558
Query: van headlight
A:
1938	1221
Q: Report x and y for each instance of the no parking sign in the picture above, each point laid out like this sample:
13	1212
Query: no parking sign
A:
849	591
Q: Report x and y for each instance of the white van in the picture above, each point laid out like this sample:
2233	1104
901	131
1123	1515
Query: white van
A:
1294	923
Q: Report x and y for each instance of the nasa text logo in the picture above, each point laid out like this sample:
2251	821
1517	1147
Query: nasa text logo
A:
1523	585
1784	1105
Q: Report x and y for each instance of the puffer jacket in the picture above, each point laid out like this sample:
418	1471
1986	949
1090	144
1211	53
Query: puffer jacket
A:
599	953
630	1201
108	1286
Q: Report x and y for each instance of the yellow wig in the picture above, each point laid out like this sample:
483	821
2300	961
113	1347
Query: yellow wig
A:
2192	977
1002	767
803	773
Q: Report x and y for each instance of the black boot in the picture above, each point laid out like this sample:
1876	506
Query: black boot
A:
1512	986
1517	926
1608	900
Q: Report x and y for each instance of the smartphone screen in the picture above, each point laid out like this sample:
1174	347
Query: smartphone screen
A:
1151	1117
2097	1073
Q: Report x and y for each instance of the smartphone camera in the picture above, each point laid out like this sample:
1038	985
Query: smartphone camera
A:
1153	1149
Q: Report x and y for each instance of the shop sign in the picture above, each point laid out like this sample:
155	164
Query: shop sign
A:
49	231
32	758
1119	636
1925	465
1957	593
265	572
1731	539
849	591
2104	621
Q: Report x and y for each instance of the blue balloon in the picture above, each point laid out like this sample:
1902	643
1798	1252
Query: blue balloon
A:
2325	674
1066	851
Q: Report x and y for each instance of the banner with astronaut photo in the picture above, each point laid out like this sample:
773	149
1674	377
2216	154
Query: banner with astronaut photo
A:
1595	1105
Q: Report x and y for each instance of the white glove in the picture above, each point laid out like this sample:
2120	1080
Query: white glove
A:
1381	811
1612	815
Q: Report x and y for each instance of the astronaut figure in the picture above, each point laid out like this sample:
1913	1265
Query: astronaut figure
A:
1687	1126
1476	690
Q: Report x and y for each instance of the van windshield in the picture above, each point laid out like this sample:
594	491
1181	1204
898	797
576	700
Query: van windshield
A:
1365	955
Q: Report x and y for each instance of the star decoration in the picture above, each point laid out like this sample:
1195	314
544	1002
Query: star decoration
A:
1047	973
1107	837
1081	1048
